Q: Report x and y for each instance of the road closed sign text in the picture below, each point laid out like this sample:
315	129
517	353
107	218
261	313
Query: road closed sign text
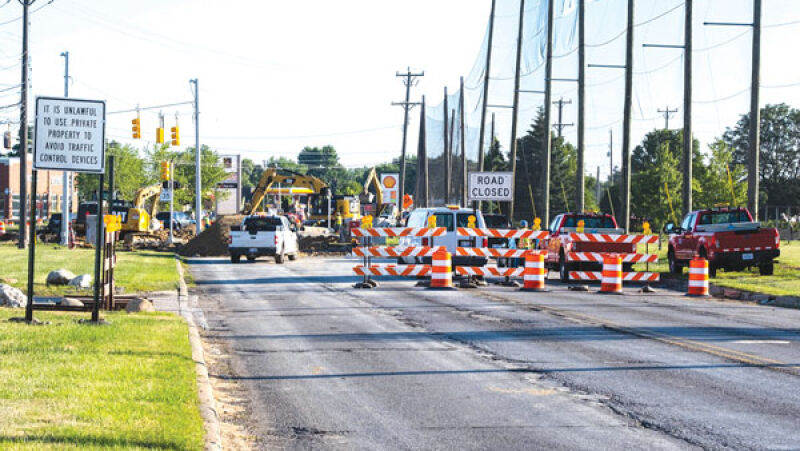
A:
490	186
70	134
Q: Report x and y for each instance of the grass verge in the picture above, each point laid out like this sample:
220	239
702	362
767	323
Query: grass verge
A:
130	385
135	271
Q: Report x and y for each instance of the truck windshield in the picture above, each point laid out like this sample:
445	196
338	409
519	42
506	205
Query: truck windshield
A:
590	222
724	217
265	224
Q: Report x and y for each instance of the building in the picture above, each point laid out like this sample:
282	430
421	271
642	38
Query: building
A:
49	190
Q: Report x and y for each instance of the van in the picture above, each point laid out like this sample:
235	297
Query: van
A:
450	218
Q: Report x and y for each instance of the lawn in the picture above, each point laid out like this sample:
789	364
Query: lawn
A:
135	271
129	385
785	281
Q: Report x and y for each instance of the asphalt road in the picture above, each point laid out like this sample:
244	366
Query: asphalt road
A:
327	366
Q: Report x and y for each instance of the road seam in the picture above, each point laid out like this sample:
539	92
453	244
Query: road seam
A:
205	393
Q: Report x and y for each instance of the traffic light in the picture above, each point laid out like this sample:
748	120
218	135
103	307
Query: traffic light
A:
136	128
176	136
165	170
7	140
160	135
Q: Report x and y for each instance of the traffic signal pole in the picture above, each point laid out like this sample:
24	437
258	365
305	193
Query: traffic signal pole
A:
198	196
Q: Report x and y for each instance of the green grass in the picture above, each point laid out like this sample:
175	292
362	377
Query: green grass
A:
130	385
135	271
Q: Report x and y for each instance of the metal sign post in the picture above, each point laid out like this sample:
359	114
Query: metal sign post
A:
70	136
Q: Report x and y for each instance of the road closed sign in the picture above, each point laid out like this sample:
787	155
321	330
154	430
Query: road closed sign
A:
70	134
490	186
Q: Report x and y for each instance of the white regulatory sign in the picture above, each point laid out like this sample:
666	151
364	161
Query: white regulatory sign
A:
490	186
70	134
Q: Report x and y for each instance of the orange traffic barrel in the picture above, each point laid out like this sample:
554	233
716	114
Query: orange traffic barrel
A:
611	281
698	277
2	227
442	270
533	279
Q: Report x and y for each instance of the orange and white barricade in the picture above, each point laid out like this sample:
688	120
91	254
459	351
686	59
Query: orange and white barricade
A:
600	257
400	232
503	233
535	273
442	270
396	251
485	271
698	277
2	227
393	270
612	274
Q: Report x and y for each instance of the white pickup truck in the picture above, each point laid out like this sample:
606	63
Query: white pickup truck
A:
258	236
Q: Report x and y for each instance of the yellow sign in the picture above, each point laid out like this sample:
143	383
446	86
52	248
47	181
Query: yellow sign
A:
432	222
112	223
646	228
581	223
537	224
471	221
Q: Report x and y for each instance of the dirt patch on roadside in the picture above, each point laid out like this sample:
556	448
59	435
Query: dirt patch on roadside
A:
213	241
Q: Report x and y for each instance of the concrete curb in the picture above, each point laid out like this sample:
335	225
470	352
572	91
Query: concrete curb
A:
208	406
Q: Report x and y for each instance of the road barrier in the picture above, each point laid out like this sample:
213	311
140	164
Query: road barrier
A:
2	228
489	271
442	271
397	251
503	233
535	273
698	277
612	274
400	232
600	257
391	270
511	234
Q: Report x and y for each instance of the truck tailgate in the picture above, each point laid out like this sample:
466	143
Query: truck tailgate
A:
249	239
738	241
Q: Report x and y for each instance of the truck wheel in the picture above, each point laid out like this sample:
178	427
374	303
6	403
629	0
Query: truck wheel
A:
279	258
293	257
674	266
767	269
563	269
235	258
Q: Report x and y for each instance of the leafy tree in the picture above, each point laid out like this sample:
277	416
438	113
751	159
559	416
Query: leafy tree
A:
779	152
129	173
718	188
318	160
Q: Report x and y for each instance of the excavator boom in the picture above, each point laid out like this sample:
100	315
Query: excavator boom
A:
270	177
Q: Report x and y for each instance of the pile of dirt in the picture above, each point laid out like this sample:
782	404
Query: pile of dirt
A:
213	241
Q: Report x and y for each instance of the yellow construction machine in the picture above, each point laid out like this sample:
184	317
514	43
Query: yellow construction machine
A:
138	221
315	190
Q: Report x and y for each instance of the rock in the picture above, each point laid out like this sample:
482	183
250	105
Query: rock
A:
59	277
140	305
71	302
83	281
731	293
12	297
8	280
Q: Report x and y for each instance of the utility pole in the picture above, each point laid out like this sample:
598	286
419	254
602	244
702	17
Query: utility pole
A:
597	186
755	111
409	80
515	113
463	144
560	125
446	152
579	175
548	92
486	74
450	150
626	127
65	181
198	196
667	114
687	109
23	130
610	156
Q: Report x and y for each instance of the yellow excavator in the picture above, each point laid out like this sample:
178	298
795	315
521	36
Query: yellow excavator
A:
138	221
316	190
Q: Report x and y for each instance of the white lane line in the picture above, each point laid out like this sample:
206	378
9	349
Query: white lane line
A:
762	342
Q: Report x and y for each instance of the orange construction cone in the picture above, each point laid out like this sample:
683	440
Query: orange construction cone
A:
442	270
612	274
535	274
698	277
2	227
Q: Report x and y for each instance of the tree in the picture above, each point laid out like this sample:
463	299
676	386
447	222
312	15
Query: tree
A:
779	152
718	186
318	159
129	173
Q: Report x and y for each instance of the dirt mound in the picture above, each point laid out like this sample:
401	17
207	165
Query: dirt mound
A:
213	241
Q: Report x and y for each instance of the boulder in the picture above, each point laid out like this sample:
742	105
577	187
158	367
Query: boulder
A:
71	302
83	281
139	305
12	297
59	277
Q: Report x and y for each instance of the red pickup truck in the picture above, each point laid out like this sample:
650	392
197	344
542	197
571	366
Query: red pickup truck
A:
560	244
727	237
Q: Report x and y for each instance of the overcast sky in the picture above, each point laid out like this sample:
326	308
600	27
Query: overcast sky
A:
276	76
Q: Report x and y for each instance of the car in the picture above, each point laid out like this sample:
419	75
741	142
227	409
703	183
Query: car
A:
449	217
179	219
263	235
727	237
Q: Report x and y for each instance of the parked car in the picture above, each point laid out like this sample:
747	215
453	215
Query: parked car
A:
727	237
262	235
450	218
179	219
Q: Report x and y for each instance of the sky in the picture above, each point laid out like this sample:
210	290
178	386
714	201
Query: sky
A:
276	76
